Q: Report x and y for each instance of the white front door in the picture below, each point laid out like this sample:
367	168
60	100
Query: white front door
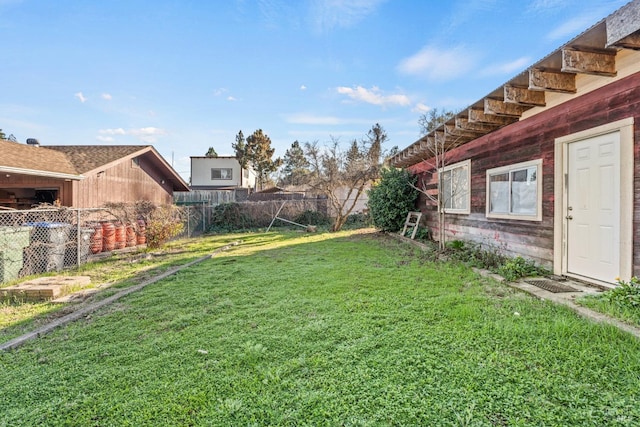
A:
593	207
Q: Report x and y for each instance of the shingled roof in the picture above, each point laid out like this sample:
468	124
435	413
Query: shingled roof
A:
74	161
86	158
34	160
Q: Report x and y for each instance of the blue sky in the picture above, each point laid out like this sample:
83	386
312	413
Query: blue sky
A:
184	75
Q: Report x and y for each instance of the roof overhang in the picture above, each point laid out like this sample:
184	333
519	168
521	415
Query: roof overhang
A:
593	52
170	175
178	184
46	174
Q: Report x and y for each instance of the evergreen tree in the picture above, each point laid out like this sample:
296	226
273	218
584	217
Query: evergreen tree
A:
240	148
259	154
211	152
296	166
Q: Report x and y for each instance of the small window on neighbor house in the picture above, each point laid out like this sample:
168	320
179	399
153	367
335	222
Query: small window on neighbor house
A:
515	191
135	162
221	173
456	196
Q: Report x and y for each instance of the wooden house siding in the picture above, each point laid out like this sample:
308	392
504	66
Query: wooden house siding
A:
122	182
530	139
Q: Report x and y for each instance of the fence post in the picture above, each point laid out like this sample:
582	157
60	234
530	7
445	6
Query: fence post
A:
188	209
78	240
203	220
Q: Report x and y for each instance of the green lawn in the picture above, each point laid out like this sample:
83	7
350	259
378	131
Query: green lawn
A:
322	330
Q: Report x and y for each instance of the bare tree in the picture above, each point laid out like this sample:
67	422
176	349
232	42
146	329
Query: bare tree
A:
343	176
433	118
452	185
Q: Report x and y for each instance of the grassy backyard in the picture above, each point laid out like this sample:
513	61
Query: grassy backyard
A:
347	328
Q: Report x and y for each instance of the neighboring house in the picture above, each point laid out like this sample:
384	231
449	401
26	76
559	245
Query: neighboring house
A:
550	161
220	173
84	176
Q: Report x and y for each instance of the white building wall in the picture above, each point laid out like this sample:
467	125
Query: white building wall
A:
201	173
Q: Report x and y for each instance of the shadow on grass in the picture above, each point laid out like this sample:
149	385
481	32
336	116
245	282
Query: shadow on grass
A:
110	275
123	270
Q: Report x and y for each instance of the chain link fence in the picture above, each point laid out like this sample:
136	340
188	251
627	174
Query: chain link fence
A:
42	240
198	218
52	239
203	218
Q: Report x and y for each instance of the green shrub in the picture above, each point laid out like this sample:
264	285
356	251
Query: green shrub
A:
310	217
491	258
164	223
423	234
621	302
518	267
626	295
455	245
391	199
230	217
358	220
475	255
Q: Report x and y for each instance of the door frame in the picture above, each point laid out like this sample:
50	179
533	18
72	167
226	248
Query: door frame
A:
625	127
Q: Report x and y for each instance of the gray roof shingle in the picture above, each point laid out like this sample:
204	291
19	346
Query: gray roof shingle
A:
86	158
22	156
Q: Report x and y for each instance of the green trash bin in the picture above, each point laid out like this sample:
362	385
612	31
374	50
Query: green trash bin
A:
12	242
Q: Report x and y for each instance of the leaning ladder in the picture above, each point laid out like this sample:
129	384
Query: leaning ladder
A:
413	220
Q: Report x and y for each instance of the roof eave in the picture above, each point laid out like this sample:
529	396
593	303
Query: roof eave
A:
504	105
46	174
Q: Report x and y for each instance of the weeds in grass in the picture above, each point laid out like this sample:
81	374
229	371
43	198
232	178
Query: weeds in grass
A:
518	267
491	258
344	328
627	294
622	302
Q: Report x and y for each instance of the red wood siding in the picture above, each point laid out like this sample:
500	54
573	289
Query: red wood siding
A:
123	182
531	139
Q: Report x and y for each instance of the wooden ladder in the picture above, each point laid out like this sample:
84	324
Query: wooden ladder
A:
413	220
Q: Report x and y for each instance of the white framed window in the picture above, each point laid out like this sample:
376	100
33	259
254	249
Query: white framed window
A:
456	194
221	173
515	191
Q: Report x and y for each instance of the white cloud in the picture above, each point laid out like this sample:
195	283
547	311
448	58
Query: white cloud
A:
373	96
310	119
231	98
329	14
507	67
573	26
421	108
220	91
118	131
545	5
80	97
148	134
107	96
439	64
303	87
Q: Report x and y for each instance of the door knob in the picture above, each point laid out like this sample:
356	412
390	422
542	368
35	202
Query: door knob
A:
568	217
